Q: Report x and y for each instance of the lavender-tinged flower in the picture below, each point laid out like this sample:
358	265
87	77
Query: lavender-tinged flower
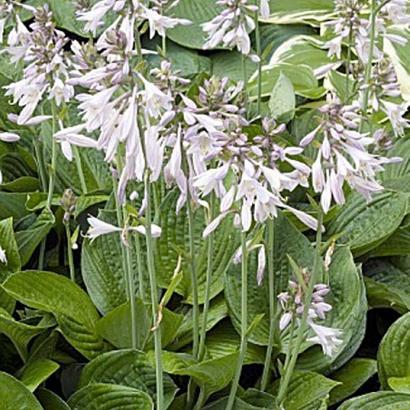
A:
42	50
292	303
231	26
343	155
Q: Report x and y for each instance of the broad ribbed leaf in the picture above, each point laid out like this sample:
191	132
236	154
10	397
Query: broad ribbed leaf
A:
126	368
38	371
9	246
379	400
14	395
73	309
352	376
103	396
363	224
50	400
387	286
305	389
19	333
394	352
28	239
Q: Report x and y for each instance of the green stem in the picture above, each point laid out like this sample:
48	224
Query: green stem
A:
348	61
40	165
201	400
122	217
154	296
365	102
141	281
272	303
79	166
70	251
209	269
258	52
288	371
164	45
244	323
290	347
53	159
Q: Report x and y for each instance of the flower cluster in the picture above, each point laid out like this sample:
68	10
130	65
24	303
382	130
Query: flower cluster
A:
343	154
46	73
231	27
292	303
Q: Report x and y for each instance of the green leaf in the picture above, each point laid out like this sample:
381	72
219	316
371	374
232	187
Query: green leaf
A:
336	82
19	333
352	376
38	371
9	245
174	240
192	36
387	286
305	389
301	77
397	244
65	18
218	310
379	400
71	306
223	341
282	100
116	325
103	272
397	175
300	11
400	384
103	396
13	205
211	375
393	357
50	401
363	224
302	50
14	394
129	368
29	239
229	64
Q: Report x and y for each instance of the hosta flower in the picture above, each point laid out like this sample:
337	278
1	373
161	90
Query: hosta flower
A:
231	26
3	256
343	155
99	228
292	302
72	136
45	73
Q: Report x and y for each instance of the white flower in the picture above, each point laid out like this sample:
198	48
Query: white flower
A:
264	9
99	227
160	23
3	256
327	337
61	92
71	135
155	100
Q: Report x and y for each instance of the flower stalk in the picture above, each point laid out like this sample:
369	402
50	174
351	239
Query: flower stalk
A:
154	295
290	367
244	323
272	303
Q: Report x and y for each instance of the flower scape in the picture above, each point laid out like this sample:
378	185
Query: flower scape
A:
204	204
